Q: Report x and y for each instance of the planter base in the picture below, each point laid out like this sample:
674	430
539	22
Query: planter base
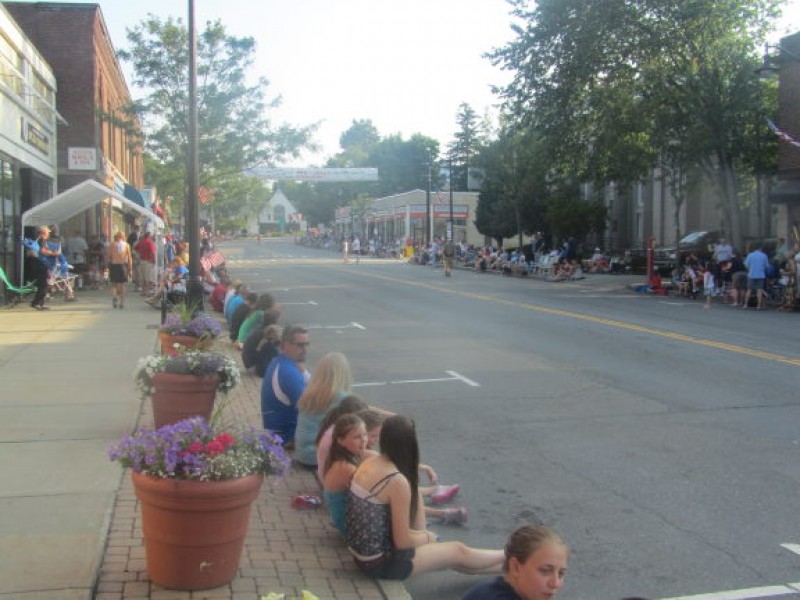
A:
177	397
194	531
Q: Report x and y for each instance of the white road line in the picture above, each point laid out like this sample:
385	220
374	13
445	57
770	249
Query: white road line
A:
348	326
464	379
672	303
757	592
454	377
358	326
792	547
310	302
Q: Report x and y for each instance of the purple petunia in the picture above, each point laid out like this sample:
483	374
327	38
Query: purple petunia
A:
166	452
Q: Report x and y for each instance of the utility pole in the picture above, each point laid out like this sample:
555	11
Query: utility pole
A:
194	285
452	231
428	205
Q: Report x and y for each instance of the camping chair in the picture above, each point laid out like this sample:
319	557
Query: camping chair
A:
18	291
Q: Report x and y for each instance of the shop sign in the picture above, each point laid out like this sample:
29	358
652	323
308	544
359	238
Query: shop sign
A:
35	137
82	159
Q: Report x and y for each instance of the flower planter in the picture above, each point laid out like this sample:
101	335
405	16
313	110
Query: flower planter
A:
176	397
194	531
168	342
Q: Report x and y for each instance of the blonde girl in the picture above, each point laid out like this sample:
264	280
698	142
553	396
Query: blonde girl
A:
329	383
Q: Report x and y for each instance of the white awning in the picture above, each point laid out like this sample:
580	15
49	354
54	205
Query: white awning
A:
79	198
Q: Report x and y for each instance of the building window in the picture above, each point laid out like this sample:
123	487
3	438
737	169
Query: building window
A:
43	100
11	66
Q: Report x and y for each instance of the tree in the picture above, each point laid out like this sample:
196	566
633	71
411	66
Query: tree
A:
614	85
466	144
513	196
233	128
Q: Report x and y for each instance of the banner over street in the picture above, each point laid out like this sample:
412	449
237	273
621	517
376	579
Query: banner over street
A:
316	174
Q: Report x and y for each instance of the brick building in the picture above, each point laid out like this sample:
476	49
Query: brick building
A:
75	42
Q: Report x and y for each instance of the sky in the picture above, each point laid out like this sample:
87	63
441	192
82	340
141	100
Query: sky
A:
405	65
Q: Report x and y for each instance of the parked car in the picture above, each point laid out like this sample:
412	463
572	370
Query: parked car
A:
699	243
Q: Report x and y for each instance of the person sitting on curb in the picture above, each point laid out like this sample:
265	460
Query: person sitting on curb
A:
386	531
284	383
262	345
348	449
534	567
255	319
242	311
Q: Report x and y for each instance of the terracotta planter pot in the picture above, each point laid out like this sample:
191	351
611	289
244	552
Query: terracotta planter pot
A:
194	531
168	342
177	397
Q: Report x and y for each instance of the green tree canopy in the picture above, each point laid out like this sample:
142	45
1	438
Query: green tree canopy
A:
234	130
614	85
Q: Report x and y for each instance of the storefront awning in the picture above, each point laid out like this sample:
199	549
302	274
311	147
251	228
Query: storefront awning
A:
786	191
79	198
134	195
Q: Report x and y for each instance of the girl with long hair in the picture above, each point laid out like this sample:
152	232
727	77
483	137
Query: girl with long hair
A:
385	522
329	383
348	448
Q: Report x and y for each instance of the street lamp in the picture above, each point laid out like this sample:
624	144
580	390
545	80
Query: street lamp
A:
194	284
771	64
451	234
426	237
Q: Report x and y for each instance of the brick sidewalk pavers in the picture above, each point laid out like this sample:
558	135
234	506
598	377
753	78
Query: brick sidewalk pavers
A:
286	550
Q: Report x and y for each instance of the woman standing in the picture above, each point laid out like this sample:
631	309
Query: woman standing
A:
386	524
534	569
120	268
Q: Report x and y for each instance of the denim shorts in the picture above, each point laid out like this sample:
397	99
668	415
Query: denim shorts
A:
395	564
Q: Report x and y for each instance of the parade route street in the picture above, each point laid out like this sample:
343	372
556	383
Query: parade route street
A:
659	438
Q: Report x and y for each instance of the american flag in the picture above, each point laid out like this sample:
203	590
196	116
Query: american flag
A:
782	135
211	260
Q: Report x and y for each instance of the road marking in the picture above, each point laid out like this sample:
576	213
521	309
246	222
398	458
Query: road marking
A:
599	320
453	377
311	302
792	547
464	379
756	592
767	591
348	326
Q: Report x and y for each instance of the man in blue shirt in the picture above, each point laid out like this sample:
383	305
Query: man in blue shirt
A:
284	382
757	264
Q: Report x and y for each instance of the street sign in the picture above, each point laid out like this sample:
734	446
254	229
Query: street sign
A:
316	174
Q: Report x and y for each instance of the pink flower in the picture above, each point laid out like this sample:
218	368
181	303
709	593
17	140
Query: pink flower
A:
226	439
215	447
195	448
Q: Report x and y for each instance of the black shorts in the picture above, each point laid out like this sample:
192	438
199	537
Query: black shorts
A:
118	273
395	564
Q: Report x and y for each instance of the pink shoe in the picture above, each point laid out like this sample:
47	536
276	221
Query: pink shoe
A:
454	516
444	493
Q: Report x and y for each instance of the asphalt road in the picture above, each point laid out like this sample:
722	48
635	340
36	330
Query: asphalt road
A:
659	438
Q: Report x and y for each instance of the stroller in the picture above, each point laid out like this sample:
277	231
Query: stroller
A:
61	280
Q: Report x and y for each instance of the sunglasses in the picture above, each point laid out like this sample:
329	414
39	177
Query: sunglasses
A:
301	344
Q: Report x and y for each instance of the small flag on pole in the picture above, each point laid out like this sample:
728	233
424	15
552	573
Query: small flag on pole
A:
211	260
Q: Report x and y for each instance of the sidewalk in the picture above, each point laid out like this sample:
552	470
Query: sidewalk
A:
70	526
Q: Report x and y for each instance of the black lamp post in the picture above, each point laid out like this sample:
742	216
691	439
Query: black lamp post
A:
769	66
450	185
194	284
427	235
